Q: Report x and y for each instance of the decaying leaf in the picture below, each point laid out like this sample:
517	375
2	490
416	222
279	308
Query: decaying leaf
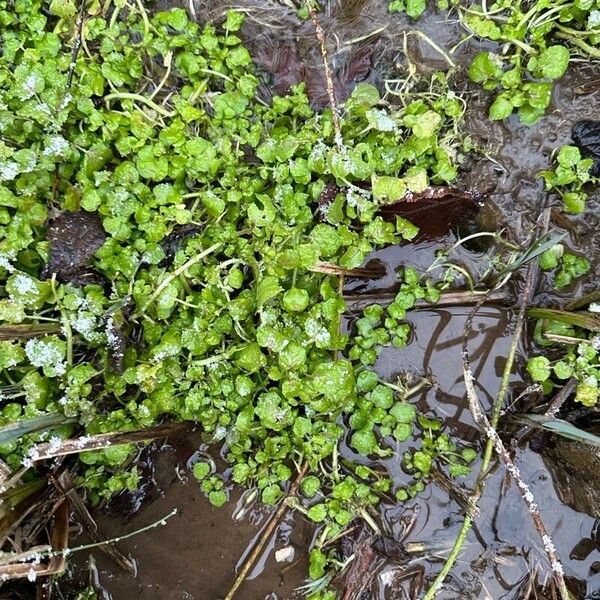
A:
437	210
287	67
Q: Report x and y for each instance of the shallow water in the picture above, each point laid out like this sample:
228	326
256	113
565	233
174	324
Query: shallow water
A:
196	554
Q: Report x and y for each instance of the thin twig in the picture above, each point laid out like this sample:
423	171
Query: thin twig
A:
328	74
560	398
66	486
525	297
484	424
56	564
266	534
358	302
331	269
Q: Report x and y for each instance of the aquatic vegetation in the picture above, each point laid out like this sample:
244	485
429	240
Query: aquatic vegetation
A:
570	266
537	41
172	229
580	362
569	178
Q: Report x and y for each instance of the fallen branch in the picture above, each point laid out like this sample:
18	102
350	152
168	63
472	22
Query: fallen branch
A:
266	534
530	278
494	442
24	332
104	440
331	269
358	302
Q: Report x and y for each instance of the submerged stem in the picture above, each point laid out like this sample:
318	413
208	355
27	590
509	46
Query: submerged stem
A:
266	534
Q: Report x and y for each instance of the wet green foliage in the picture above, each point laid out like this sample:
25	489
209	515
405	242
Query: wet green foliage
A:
568	266
538	39
578	357
413	8
160	133
568	178
580	362
383	326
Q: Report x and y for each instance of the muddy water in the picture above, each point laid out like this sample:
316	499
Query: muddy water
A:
197	553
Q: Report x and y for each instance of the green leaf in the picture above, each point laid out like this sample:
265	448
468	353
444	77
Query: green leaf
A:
268	287
563	428
422	462
296	300
365	94
415	8
553	62
388	188
271	494
539	368
549	258
364	442
569	156
501	108
402	432
310	486
317	513
424	125
403	412
484	67
406	229
458	470
217	497
234	20
45	422
65	9
416	179
201	470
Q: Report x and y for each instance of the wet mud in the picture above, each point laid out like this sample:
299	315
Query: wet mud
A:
197	553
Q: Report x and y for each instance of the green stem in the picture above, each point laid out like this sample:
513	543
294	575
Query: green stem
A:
69	339
139	98
167	280
526	47
144	14
590	50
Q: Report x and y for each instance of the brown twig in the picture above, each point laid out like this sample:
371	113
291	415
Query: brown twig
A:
23	332
560	398
358	302
104	440
266	534
76	45
486	426
331	269
328	73
56	564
